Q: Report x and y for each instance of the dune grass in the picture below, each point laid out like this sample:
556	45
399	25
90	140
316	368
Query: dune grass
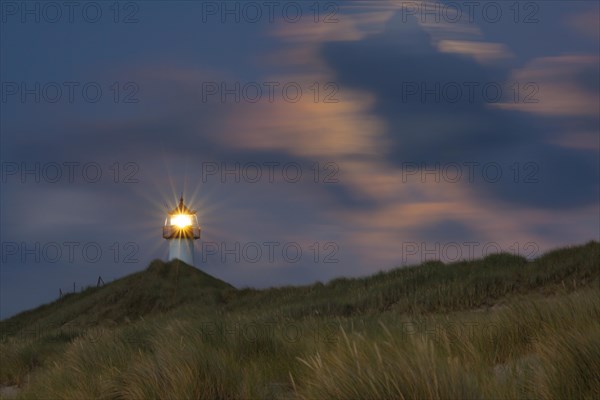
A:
501	327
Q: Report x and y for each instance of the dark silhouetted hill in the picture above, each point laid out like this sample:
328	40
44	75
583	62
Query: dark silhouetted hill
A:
160	287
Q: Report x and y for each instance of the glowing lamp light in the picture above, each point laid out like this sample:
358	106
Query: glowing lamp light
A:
181	220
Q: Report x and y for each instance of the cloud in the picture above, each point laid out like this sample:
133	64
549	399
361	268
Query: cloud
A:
579	140
354	24
565	85
586	23
483	52
307	128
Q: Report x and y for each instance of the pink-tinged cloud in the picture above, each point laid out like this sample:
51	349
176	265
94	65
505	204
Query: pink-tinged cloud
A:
560	93
307	128
483	52
586	23
585	140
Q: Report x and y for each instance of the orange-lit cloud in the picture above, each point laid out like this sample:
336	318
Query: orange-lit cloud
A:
483	52
559	93
308	128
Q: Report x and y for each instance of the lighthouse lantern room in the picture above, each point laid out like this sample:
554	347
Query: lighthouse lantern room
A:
181	229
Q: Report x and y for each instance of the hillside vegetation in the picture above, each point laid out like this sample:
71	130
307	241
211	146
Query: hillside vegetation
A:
499	327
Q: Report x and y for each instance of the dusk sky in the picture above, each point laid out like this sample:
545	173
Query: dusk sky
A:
366	135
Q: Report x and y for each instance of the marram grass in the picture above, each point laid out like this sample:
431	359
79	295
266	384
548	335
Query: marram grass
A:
500	327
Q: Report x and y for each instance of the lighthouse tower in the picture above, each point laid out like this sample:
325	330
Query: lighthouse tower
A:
181	229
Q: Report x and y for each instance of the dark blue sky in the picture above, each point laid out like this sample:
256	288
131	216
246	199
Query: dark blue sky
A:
423	130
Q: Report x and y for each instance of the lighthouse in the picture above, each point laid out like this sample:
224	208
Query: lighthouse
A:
181	229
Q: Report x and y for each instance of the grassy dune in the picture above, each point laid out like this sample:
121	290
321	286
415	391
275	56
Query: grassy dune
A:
500	327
